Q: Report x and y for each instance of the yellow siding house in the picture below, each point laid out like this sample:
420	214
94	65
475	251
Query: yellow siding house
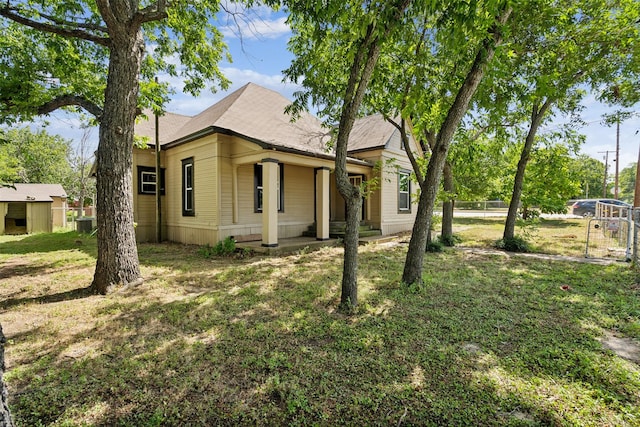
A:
242	168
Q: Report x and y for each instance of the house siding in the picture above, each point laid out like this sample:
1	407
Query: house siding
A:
4	208
299	201
225	183
201	228
144	205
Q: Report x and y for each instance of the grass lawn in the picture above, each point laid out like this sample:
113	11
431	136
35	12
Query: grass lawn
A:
490	339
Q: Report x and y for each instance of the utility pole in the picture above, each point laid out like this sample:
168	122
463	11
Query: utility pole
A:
158	179
636	193
615	189
606	167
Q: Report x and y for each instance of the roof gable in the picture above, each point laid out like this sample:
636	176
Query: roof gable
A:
370	132
375	132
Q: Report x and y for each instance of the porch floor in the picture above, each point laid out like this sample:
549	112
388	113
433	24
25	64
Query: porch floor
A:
293	244
288	246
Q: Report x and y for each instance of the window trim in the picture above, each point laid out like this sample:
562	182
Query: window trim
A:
404	210
188	197
257	187
142	170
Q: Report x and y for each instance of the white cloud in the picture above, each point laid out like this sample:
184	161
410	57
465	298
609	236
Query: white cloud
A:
600	137
188	105
255	27
246	75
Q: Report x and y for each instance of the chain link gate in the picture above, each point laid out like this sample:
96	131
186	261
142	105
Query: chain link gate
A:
610	234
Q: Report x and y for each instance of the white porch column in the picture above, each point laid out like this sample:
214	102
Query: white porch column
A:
269	203
322	203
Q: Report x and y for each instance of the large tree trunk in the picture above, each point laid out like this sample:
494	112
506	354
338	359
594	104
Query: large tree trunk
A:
447	205
364	61
361	70
417	245
5	415
415	255
117	262
536	118
349	295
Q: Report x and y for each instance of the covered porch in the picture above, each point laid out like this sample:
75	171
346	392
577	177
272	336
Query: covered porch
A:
291	192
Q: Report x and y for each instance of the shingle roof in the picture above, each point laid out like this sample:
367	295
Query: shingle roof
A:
258	114
254	112
169	124
31	193
370	132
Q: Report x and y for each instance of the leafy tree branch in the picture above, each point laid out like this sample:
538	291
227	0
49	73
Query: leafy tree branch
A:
70	100
60	29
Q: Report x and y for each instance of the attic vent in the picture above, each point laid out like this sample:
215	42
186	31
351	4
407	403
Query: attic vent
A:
30	198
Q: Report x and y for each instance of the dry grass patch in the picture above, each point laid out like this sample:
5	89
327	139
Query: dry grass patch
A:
558	237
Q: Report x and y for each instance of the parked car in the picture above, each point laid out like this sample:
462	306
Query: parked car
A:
587	207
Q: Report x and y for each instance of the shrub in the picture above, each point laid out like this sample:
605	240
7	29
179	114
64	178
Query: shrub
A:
516	244
434	246
226	247
452	240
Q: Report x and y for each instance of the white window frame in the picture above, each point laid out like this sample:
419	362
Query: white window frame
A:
188	196
148	186
406	192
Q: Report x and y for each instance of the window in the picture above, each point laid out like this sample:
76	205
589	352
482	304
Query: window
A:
257	194
147	180
188	208
404	192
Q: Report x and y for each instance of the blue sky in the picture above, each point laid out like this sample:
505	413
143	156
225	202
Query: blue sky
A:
262	55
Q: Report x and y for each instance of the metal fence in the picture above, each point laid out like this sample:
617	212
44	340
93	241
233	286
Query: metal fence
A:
67	217
610	233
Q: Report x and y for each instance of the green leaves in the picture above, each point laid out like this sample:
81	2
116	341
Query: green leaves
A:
190	33
31	157
36	67
42	63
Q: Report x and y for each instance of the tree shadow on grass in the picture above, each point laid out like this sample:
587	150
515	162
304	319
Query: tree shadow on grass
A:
19	267
47	298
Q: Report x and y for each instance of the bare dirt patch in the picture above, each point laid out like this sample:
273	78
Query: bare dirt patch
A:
624	347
